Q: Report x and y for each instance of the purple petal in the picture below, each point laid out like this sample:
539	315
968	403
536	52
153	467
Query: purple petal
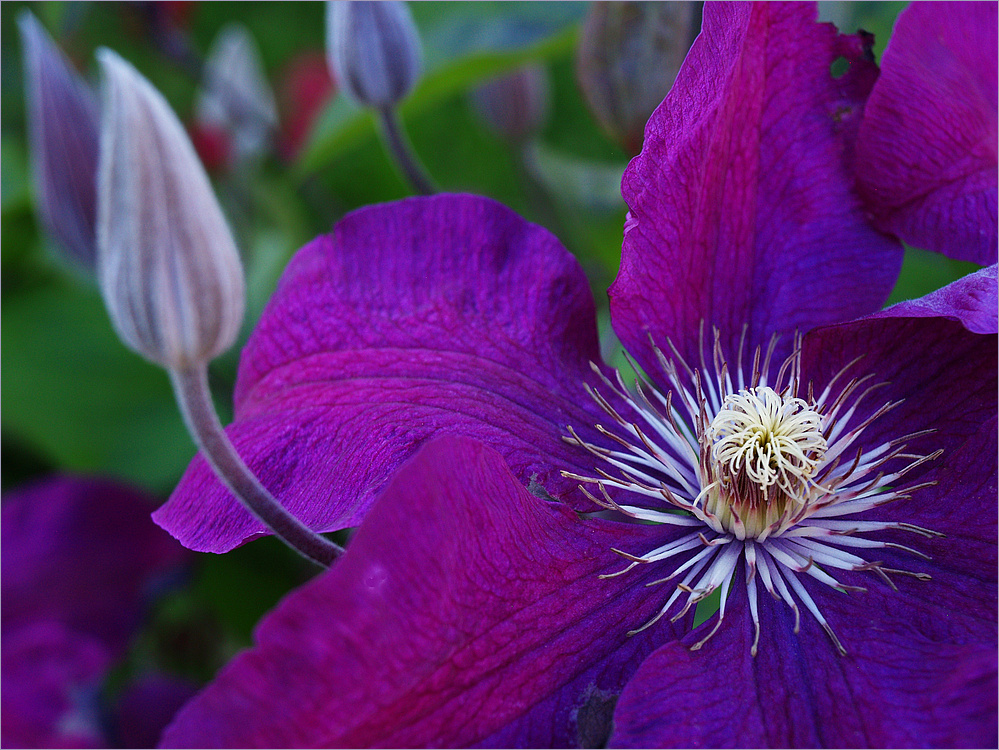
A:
51	679
82	552
971	299
441	315
894	688
942	375
927	144
63	128
462	606
742	203
147	706
959	602
921	663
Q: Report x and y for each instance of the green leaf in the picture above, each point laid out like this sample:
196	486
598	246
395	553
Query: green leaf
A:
924	272
14	175
74	393
585	184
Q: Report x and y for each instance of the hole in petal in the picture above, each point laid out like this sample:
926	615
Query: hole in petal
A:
839	67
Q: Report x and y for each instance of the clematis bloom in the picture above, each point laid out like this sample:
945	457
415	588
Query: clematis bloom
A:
828	469
928	141
81	561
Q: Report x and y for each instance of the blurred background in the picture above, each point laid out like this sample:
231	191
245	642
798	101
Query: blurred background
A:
550	140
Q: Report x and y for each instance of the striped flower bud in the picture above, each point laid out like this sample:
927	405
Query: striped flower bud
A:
629	54
514	105
62	127
236	96
166	260
373	50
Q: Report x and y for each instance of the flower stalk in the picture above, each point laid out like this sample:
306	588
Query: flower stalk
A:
171	277
373	51
194	398
401	150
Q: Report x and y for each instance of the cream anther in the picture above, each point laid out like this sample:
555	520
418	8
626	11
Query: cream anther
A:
767	439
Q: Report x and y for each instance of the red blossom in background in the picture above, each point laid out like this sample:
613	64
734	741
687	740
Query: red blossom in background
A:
305	87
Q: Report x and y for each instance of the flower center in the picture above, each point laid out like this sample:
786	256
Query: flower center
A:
758	456
751	472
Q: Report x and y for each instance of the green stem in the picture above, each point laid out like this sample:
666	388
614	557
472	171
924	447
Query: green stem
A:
402	152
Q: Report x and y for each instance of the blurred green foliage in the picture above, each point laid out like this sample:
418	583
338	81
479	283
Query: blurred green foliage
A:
76	400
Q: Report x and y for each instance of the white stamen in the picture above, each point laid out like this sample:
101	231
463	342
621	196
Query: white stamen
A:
758	469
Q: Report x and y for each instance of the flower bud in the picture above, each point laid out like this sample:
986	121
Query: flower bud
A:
166	260
236	96
629	55
373	50
62	127
514	105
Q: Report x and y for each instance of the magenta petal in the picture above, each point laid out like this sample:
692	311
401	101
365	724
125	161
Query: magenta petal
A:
462	605
742	203
147	706
926	151
920	668
958	603
942	376
971	300
51	682
428	316
893	688
82	552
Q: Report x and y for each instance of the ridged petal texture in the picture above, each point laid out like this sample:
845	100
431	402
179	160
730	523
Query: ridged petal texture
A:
435	315
466	611
743	210
927	150
167	262
921	664
971	299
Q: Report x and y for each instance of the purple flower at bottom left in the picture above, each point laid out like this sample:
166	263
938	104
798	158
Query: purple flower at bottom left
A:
81	563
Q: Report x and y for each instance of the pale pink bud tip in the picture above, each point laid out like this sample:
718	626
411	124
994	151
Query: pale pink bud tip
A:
166	260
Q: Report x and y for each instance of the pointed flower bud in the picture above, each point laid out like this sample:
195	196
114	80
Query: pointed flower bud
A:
62	127
373	50
236	95
166	260
514	105
629	55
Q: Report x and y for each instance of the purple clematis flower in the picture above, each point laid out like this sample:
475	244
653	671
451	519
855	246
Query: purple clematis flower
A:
455	316
836	488
927	145
80	561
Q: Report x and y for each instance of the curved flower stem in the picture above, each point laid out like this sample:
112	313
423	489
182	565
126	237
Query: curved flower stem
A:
194	398
402	151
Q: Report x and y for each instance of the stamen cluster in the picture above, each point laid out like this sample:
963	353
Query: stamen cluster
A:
757	470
